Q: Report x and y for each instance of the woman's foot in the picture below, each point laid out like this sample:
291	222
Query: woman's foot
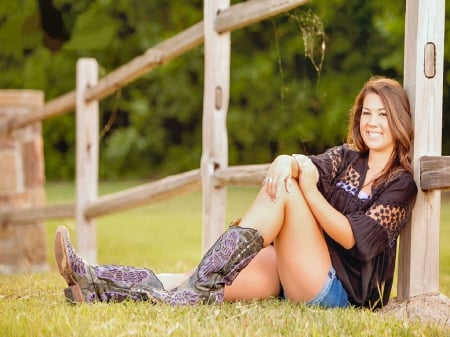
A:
105	283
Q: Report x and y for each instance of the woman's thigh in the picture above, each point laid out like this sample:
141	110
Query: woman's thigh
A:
303	259
302	256
258	280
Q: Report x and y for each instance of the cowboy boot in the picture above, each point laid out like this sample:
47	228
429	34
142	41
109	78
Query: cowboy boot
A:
105	283
231	253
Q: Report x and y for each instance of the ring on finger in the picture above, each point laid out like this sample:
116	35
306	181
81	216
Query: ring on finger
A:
269	180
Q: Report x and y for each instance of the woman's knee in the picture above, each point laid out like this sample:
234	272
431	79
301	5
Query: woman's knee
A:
258	280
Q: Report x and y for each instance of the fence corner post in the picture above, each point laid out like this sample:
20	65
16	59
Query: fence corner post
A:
418	269
87	123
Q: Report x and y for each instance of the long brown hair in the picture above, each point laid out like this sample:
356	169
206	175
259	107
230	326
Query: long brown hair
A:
396	102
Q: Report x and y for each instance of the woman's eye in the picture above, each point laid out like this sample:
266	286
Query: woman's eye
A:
365	113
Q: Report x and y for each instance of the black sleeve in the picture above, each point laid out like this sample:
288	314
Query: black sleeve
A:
328	164
378	227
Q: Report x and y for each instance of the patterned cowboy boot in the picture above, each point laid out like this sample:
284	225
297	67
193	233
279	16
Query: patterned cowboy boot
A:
105	283
231	253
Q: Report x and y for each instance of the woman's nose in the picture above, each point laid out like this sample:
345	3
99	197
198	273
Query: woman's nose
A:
373	120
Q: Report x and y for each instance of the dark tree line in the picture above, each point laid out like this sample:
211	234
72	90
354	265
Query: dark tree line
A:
293	77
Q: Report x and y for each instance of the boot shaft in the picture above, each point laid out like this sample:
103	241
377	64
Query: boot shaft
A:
231	253
221	264
113	283
126	276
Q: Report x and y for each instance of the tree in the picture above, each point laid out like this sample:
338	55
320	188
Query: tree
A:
293	78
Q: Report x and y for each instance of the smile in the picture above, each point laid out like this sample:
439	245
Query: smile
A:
373	135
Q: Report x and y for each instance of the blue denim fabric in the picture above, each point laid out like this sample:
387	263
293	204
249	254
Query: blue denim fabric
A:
332	295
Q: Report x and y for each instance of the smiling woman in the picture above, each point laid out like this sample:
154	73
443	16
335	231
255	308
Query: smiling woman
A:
322	229
381	123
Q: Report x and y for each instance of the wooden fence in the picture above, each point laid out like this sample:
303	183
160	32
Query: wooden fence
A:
424	46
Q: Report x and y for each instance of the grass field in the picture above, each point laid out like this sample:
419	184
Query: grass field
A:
166	237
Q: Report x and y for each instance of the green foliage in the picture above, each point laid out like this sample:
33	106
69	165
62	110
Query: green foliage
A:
94	30
280	102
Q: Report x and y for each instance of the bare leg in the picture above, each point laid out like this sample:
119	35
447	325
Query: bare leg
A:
302	256
258	280
171	281
299	258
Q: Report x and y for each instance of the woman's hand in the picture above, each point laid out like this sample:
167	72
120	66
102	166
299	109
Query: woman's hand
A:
279	176
309	175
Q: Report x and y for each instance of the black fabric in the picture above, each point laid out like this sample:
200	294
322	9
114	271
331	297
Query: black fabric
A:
366	270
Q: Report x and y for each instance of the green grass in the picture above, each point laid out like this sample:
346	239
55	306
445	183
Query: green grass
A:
166	237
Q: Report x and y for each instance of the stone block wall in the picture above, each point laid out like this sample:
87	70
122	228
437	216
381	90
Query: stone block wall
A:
23	247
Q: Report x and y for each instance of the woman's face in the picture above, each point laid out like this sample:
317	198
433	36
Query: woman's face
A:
374	126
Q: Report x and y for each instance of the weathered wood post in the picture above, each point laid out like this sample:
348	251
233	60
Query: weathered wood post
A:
87	158
23	247
424	55
215	107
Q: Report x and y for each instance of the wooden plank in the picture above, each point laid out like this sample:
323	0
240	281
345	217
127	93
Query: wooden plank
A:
241	175
165	188
40	213
418	271
55	107
434	172
248	12
152	58
216	93
87	124
144	194
112	203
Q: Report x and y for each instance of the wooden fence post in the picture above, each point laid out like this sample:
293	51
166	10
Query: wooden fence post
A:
215	106
87	157
23	247
424	52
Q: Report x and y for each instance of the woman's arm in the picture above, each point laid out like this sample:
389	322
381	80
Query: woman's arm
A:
333	222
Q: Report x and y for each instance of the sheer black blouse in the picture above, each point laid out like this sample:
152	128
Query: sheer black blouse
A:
367	269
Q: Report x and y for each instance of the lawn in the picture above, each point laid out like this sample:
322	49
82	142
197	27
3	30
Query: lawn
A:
166	237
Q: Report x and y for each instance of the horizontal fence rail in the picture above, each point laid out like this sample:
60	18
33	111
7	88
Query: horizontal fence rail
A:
245	13
161	54
38	214
148	193
435	173
56	107
240	175
236	16
145	194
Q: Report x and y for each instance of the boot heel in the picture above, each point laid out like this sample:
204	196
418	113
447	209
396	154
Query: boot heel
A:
73	294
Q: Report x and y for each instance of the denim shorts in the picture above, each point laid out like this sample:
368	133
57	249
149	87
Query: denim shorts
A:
332	294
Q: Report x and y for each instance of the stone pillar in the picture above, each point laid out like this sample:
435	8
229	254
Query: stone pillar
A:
22	246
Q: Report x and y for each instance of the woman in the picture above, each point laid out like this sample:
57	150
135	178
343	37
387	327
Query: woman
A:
322	230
